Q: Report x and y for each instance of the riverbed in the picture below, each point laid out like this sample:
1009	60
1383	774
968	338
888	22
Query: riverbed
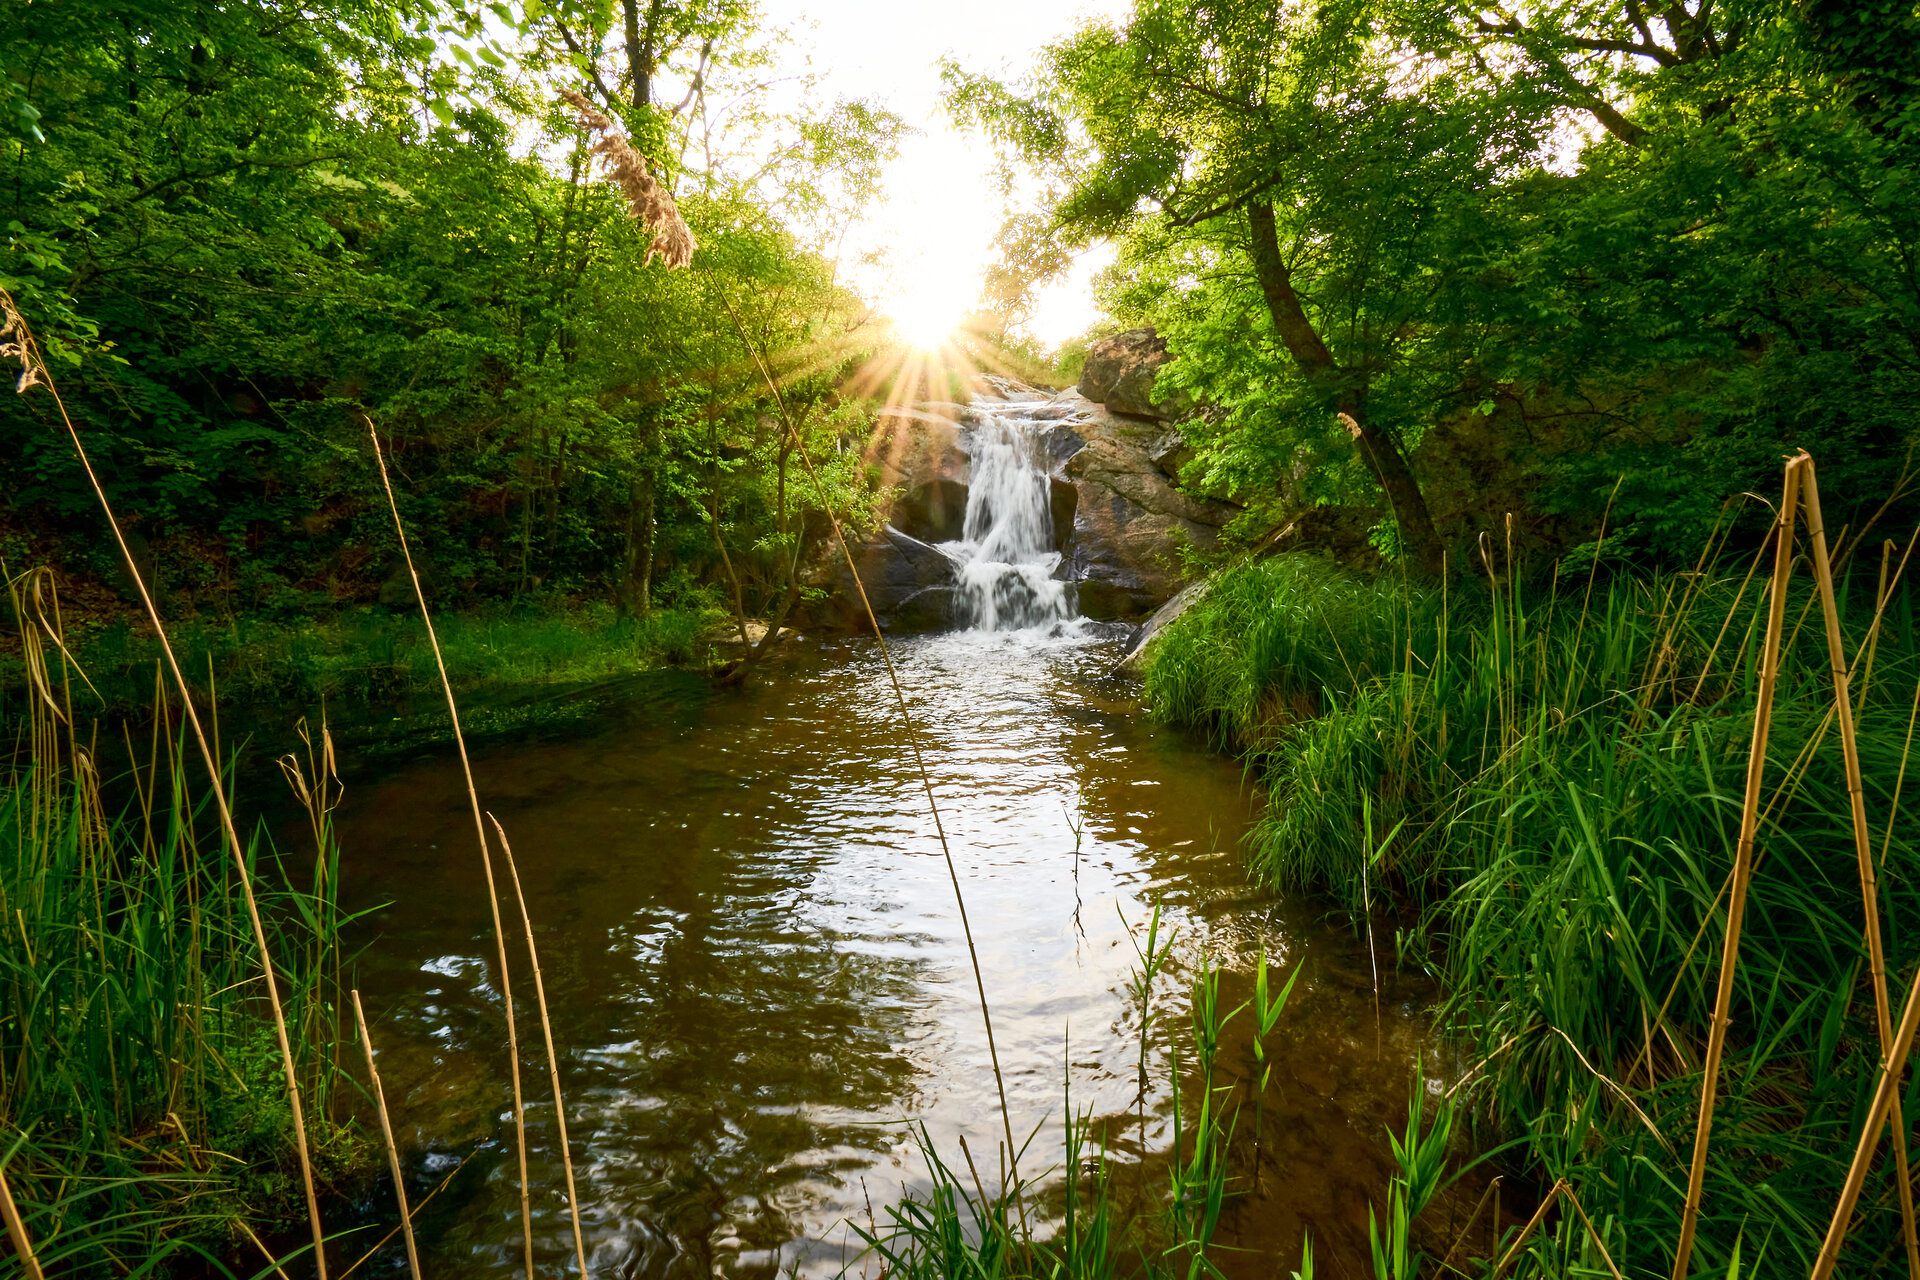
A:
759	986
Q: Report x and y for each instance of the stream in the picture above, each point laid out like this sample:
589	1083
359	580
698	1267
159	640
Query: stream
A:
758	982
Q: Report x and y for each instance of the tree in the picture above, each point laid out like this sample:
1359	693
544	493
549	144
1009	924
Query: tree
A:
1289	146
1401	203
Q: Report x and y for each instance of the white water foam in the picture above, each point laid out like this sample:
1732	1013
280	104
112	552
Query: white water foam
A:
1004	563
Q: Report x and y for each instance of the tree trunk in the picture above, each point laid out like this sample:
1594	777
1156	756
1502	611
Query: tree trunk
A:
634	594
1418	537
640	44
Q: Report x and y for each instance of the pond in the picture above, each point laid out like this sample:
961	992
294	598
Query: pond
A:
759	986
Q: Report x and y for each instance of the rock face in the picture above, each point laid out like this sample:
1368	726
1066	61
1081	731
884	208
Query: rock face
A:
909	584
1119	374
920	452
1131	523
1140	643
1120	521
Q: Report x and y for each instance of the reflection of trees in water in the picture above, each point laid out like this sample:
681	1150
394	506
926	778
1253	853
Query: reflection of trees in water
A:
717	1040
719	907
711	1051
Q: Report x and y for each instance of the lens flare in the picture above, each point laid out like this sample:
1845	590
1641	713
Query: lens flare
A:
927	322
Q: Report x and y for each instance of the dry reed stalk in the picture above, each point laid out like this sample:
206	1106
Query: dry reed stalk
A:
386	1131
486	857
417	1209
649	203
1527	1231
1879	604
17	1231
1862	836
265	1252
913	745
1742	857
1467	1230
1900	778
546	1030
1891	1070
34	373
1592	1234
1789	787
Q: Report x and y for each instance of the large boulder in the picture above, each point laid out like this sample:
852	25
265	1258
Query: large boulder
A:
908	583
1133	658
1130	523
1119	374
921	454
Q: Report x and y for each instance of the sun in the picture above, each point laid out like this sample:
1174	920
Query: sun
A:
926	321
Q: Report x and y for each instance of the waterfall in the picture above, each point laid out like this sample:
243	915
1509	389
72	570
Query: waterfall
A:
1004	561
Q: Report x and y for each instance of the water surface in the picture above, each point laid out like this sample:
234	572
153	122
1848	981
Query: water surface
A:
758	979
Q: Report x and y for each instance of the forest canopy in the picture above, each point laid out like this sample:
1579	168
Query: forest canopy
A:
1421	264
241	230
1457	260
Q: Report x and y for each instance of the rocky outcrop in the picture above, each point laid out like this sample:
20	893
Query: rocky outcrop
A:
1121	522
1133	659
908	583
1119	374
919	452
1131	523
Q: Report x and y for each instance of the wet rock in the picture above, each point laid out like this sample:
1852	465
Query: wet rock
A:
1065	505
994	386
932	512
908	582
916	446
1120	520
1120	370
1131	525
1134	658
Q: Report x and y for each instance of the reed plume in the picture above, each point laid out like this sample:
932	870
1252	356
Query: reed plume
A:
649	203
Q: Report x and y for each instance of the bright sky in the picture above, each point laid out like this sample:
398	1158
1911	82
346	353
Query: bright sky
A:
942	204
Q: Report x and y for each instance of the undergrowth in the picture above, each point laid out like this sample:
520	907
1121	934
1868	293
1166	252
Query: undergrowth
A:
144	1123
1547	779
371	656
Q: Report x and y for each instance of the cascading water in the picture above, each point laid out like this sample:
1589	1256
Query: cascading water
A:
1004	561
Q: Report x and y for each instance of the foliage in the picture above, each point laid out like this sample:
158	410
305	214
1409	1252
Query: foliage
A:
243	232
1407	206
375	656
1563	771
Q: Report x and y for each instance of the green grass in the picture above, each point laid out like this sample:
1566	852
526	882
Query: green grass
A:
1548	783
372	656
142	1106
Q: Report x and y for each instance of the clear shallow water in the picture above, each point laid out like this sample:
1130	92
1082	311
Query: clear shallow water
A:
757	976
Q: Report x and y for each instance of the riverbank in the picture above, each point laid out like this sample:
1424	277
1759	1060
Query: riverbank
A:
1545	780
364	657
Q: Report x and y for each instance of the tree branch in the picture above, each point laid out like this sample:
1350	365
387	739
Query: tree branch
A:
593	71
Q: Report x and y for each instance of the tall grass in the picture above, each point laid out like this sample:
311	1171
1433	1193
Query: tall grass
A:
1567	760
142	1109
